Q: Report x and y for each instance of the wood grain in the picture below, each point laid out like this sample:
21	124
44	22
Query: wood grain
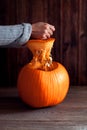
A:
69	37
71	114
83	42
70	48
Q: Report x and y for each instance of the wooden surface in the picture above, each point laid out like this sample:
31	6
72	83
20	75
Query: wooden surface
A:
71	114
70	48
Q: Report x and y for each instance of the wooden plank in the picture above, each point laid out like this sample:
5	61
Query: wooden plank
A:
53	16
26	125
83	43
70	114
4	80
10	15
37	11
22	8
69	19
3	10
69	37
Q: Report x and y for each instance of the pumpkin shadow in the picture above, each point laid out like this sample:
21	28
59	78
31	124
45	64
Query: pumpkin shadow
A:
13	105
10	105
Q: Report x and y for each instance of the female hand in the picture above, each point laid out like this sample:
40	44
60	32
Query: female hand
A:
41	30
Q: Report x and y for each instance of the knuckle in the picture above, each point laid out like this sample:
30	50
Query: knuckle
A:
46	26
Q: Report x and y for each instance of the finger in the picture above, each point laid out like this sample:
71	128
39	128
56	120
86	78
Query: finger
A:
49	28
50	32
44	37
52	28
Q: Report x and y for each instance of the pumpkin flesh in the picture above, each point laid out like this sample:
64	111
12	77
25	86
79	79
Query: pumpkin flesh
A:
41	54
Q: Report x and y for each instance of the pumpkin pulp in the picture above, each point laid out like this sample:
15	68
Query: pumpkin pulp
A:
41	50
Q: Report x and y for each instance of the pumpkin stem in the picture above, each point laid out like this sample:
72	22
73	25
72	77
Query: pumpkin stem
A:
41	50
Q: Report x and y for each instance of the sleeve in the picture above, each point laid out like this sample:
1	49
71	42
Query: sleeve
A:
15	35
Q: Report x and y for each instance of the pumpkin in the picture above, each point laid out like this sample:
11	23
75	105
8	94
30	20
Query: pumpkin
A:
42	82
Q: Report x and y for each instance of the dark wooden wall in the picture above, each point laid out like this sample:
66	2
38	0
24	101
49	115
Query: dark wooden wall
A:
70	48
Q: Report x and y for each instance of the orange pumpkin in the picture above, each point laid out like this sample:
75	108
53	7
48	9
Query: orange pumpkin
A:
42	82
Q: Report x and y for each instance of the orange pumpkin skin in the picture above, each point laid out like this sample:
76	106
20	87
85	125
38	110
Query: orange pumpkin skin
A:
39	88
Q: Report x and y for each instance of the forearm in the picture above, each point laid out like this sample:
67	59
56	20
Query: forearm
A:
15	35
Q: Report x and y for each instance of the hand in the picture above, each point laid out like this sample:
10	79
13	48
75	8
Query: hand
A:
41	30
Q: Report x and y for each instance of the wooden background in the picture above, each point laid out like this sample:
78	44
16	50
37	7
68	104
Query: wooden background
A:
70	48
